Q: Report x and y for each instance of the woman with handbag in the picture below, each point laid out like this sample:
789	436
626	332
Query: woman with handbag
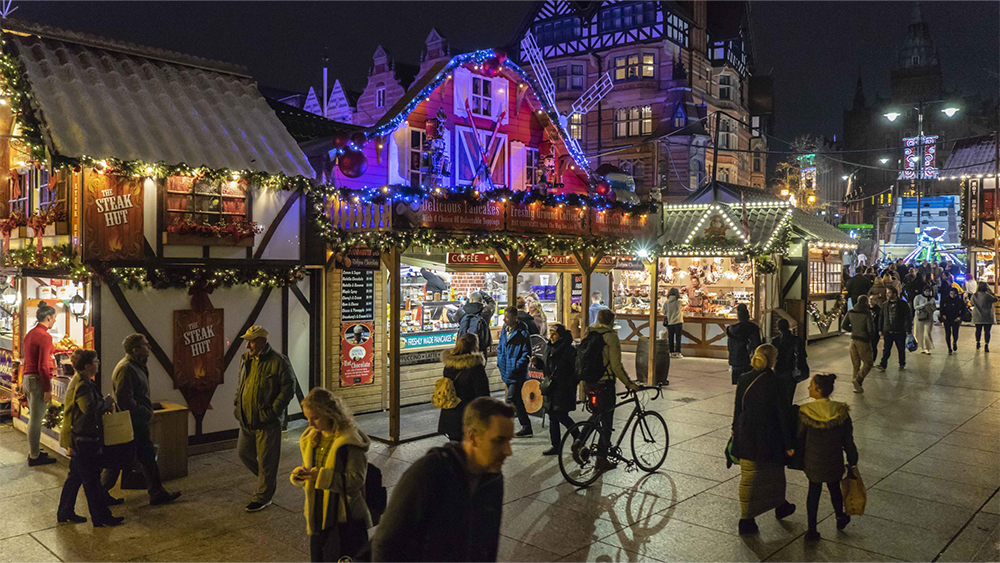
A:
982	312
560	383
465	366
762	438
953	312
333	470
82	435
825	434
924	306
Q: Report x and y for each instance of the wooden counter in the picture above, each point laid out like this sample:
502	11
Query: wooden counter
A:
702	337
169	432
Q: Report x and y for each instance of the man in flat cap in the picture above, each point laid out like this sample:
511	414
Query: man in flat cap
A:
266	386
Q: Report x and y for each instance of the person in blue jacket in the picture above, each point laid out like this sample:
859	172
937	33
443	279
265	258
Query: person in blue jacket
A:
513	353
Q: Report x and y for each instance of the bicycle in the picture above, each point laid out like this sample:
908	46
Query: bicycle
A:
583	458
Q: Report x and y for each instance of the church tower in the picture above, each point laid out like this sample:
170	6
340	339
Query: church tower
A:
917	74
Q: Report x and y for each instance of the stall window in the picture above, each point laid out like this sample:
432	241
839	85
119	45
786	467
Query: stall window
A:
35	192
417	138
534	170
482	96
205	202
825	277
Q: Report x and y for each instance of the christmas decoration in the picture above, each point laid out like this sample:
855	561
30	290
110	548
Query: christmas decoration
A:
238	229
491	66
434	158
53	417
166	278
824	320
353	164
60	257
358	141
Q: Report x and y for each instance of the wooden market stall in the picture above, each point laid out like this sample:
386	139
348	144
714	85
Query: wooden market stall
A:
152	192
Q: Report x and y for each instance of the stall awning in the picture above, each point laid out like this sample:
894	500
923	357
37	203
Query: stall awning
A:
684	224
101	99
816	230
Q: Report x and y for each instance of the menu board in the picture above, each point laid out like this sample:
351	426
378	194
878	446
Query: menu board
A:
576	292
357	298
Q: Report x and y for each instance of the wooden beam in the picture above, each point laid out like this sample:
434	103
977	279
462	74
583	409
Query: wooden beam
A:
302	299
133	319
393	348
587	264
654	270
234	347
273	227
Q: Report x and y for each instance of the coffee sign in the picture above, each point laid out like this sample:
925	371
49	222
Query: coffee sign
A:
113	218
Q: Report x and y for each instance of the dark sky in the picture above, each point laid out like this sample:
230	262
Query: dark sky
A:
814	49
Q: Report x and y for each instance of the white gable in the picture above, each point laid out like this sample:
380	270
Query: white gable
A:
312	104
338	108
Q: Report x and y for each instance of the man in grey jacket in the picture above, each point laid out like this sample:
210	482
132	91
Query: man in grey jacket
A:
266	386
131	390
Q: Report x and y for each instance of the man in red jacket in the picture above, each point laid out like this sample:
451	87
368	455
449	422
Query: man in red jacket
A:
37	380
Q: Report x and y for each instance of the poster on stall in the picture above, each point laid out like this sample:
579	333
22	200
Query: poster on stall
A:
199	349
88	338
7	374
357	365
112	222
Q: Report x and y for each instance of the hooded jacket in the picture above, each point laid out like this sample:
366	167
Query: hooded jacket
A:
440	512
468	373
860	322
952	308
825	434
743	339
486	314
896	317
513	352
559	365
982	307
342	481
612	352
672	313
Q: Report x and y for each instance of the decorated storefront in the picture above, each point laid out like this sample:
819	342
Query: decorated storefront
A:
175	216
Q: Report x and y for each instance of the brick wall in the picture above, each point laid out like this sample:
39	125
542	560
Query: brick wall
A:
467	282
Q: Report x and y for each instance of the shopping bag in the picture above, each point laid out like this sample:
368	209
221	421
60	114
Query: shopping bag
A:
911	343
117	427
853	489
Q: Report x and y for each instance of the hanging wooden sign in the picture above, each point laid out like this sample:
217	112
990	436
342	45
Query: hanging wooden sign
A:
112	218
199	349
618	223
538	218
450	215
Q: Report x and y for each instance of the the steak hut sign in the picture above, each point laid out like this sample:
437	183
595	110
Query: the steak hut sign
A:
199	338
112	218
199	348
115	208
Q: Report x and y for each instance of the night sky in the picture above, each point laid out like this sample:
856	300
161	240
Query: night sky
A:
814	49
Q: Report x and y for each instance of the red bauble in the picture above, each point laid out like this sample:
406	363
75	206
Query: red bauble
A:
358	140
491	66
353	164
339	141
500	54
603	189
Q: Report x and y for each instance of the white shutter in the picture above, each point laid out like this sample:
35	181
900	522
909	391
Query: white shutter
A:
500	94
518	165
463	89
450	181
398	156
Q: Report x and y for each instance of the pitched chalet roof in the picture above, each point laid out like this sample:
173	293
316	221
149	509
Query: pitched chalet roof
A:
306	126
814	229
762	220
428	78
730	193
102	99
971	157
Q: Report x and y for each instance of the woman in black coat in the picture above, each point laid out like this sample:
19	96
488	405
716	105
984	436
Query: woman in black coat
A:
762	437
465	365
559	365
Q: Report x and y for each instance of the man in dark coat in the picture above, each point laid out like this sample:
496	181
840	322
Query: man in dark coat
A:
131	388
895	323
449	503
743	339
857	286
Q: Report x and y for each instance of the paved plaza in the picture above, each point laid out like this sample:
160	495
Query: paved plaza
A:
928	437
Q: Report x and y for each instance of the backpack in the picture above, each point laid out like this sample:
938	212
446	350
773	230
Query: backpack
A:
475	324
376	495
590	358
445	396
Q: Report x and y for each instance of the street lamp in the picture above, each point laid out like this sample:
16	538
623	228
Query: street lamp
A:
884	160
950	111
892	115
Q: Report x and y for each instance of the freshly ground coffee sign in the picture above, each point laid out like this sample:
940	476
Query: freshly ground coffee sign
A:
199	351
112	210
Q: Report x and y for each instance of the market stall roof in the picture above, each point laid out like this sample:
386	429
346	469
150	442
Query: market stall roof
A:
685	223
103	99
816	230
731	193
971	157
306	126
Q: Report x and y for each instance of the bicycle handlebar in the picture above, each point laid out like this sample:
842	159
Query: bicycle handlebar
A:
657	388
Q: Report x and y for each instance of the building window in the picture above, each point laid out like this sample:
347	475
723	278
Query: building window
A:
627	16
569	77
627	67
204	202
482	96
637	177
755	126
680	120
648	65
647	119
756	160
727	134
621	122
576	126
380	97
534	170
725	87
632	122
677	30
916	60
558	31
723	174
417	138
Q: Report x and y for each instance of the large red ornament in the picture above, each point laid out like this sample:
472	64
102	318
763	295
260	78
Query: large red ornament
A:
358	140
353	164
603	188
492	66
500	54
339	141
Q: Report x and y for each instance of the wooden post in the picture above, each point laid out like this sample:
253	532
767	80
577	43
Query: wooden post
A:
512	262
654	281
391	259
587	263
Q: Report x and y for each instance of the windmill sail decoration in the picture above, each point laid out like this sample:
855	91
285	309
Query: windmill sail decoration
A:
581	106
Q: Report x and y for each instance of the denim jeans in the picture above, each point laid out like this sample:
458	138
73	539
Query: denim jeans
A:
36	408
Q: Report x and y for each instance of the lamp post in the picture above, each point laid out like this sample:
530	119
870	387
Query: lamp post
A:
892	116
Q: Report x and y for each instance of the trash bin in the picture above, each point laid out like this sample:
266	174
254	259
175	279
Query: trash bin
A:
662	360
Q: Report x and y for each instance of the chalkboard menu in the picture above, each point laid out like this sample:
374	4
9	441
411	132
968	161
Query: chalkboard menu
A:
576	293
357	298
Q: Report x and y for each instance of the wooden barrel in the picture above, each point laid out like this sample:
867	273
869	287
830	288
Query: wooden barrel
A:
642	360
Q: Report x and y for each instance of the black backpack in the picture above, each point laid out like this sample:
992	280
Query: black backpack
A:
474	323
376	495
590	358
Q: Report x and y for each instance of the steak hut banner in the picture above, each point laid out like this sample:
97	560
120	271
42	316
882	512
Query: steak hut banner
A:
112	224
199	350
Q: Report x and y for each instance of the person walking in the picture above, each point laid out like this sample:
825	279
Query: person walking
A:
266	385
465	366
513	353
860	323
559	366
791	366
82	434
924	306
130	382
953	308
743	339
448	505
673	319
762	437
332	475
878	289
524	316
825	434
857	286
895	324
476	317
38	369
982	312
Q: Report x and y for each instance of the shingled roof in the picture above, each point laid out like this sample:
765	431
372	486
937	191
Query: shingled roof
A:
105	99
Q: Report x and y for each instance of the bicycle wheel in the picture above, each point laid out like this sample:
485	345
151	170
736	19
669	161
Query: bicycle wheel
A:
578	453
650	441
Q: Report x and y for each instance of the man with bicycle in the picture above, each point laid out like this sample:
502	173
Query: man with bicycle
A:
603	389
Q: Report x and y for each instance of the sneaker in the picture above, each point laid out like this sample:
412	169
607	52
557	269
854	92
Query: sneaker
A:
784	510
525	432
857	387
949	352
257	506
42	459
880	367
112	501
902	368
551	451
812	536
109	522
164	498
679	355
74	518
604	464
842	521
